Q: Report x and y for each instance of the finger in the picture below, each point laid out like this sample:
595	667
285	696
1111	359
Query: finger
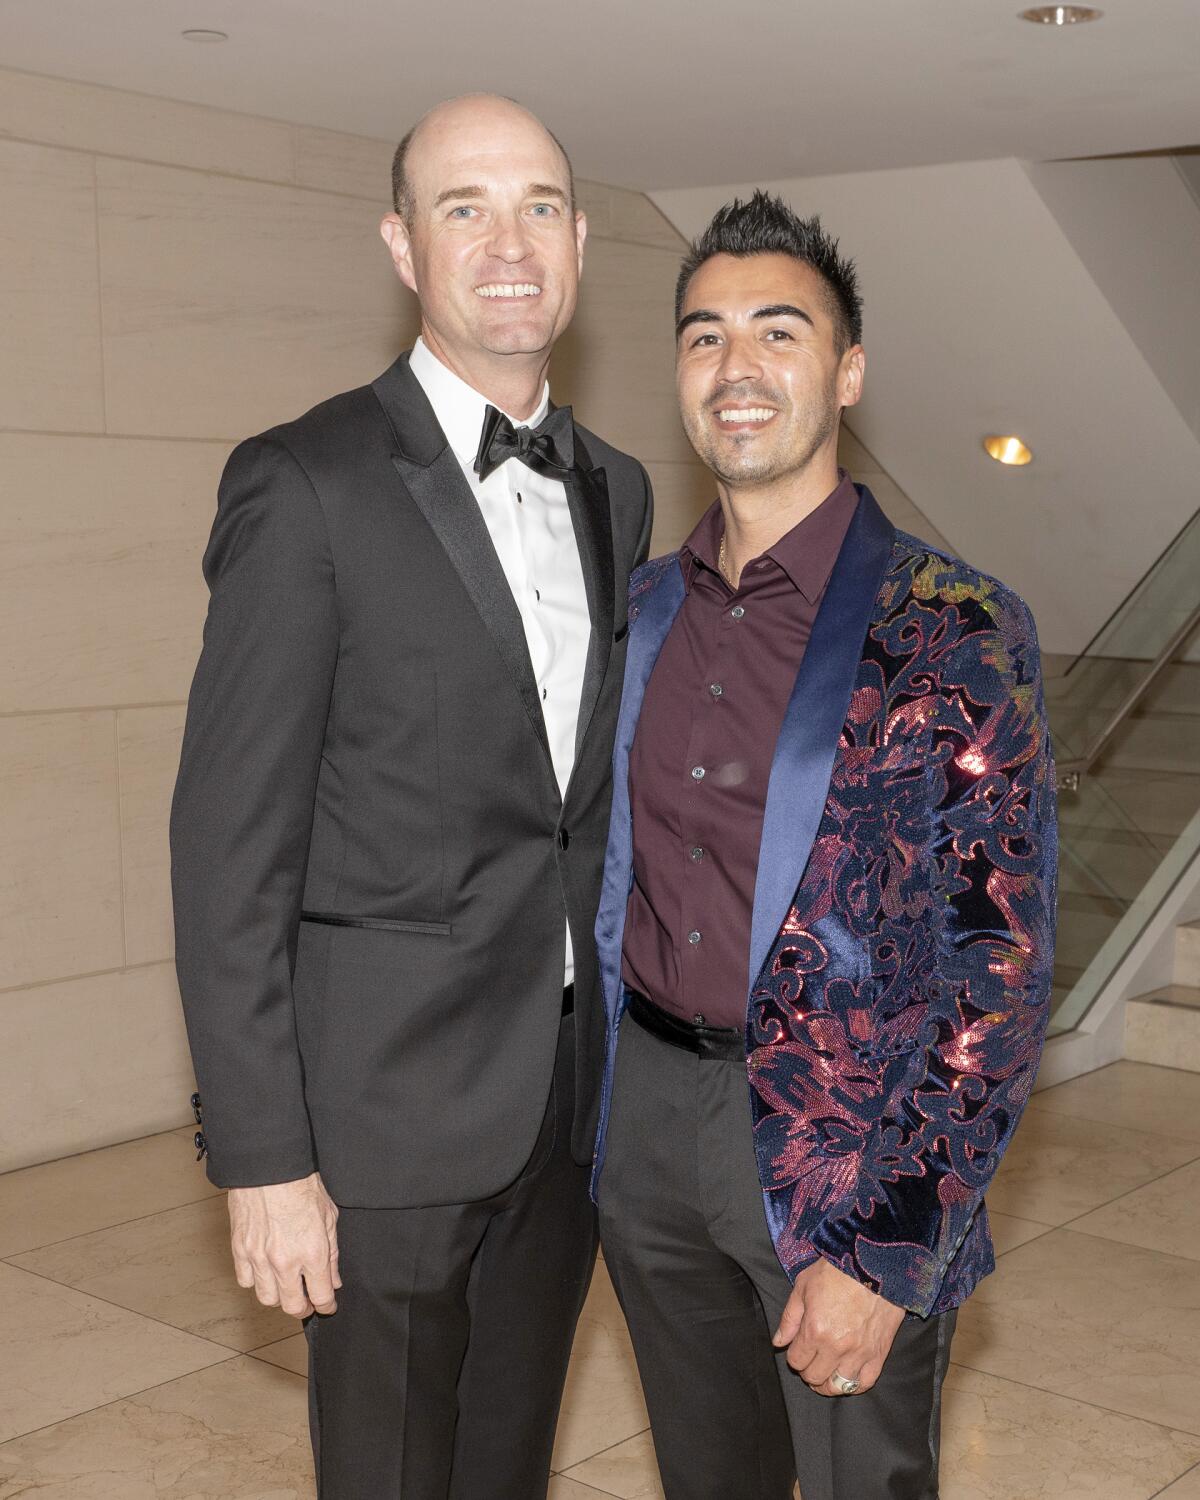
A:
292	1297
800	1354
818	1370
868	1375
333	1256
319	1285
266	1288
243	1270
789	1322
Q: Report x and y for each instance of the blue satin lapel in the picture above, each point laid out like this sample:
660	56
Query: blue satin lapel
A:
812	724
656	611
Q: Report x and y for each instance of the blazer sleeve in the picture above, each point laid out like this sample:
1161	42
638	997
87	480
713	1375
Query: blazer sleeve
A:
949	1117
243	810
642	548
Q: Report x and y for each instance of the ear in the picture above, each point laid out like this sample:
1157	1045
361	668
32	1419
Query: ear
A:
396	237
850	376
580	237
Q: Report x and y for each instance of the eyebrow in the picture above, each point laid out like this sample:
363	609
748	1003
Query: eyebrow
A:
476	190
772	310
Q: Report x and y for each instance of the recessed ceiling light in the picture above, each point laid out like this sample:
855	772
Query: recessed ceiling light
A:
199	35
1008	450
1061	15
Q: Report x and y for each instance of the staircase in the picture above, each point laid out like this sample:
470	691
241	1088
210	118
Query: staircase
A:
1163	1027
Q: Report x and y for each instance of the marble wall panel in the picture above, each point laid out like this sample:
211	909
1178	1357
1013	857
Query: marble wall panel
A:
101	595
90	1061
334	162
148	741
114	122
60	891
230	306
682	493
51	374
616	363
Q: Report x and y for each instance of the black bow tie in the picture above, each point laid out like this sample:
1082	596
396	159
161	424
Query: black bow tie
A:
548	448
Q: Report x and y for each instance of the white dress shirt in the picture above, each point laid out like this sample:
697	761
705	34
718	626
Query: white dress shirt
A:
529	522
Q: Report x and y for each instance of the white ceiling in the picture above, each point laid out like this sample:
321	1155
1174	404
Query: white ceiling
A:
665	93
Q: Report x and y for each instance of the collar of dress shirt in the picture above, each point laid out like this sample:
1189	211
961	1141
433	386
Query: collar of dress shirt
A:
806	553
458	406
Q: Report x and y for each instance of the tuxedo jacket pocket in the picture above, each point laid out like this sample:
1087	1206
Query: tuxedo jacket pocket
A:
377	924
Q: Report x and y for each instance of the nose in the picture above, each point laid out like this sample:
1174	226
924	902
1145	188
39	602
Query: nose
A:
740	360
509	240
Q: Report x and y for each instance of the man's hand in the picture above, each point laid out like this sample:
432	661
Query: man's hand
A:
832	1322
285	1244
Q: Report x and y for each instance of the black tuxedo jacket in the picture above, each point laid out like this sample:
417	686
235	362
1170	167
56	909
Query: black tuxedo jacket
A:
371	861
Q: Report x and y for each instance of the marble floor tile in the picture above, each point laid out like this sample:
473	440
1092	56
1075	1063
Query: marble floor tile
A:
239	1429
602	1403
1163	1215
1165	1101
1009	1232
63	1353
59	1199
1094	1320
629	1471
289	1354
561	1488
1187	1488
174	1266
1003	1441
1058	1167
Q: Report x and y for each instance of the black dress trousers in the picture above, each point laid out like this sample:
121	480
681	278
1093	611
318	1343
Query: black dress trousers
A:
686	1242
440	1375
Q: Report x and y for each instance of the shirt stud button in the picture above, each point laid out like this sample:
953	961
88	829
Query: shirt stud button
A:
737	611
693	938
715	689
697	854
697	773
697	1019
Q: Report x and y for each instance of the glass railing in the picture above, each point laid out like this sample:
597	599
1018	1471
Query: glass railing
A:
1125	717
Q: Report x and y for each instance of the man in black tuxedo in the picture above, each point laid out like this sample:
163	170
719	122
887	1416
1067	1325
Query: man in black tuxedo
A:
387	840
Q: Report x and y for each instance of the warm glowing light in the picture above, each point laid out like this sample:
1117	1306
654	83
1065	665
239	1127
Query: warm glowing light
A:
1007	449
971	760
1061	15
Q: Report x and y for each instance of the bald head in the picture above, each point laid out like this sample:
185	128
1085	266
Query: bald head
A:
455	122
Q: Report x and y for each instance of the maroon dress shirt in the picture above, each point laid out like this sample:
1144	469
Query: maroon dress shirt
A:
702	756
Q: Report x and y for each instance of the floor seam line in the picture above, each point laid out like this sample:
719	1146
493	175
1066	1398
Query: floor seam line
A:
10	1260
1111	1411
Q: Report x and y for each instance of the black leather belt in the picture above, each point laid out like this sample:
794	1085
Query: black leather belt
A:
569	999
725	1042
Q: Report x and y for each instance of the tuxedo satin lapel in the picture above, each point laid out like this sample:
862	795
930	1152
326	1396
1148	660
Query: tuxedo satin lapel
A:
812	724
434	479
587	497
656	611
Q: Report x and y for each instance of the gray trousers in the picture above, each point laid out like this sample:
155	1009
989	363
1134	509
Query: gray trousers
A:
686	1242
440	1375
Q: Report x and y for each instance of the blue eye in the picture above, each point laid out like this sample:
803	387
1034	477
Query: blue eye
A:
542	210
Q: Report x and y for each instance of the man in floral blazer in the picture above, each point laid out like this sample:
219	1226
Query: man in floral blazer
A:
827	924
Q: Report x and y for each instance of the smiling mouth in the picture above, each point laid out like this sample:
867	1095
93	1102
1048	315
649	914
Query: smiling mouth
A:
746	415
508	289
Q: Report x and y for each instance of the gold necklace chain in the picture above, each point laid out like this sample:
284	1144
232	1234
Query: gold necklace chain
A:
723	565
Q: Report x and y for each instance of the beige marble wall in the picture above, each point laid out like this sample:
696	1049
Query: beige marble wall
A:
173	277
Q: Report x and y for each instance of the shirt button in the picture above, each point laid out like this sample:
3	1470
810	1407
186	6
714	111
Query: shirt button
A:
697	854
697	1019
693	938
697	773
543	695
737	611
715	689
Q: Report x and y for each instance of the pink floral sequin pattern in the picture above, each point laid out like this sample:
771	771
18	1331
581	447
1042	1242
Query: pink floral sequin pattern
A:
895	1030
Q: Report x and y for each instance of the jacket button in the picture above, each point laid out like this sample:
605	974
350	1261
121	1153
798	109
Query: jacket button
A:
200	1144
564	838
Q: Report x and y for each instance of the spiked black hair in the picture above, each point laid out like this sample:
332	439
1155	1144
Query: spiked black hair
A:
765	225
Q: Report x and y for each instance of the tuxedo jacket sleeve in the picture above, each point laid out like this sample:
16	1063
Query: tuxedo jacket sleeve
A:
243	809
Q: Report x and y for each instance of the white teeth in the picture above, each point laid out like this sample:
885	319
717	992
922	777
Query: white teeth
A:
509	289
749	414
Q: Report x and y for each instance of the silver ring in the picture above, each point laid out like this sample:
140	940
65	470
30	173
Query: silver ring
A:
842	1385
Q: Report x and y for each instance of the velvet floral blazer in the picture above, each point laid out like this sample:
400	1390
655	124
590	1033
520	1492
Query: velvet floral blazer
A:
903	929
